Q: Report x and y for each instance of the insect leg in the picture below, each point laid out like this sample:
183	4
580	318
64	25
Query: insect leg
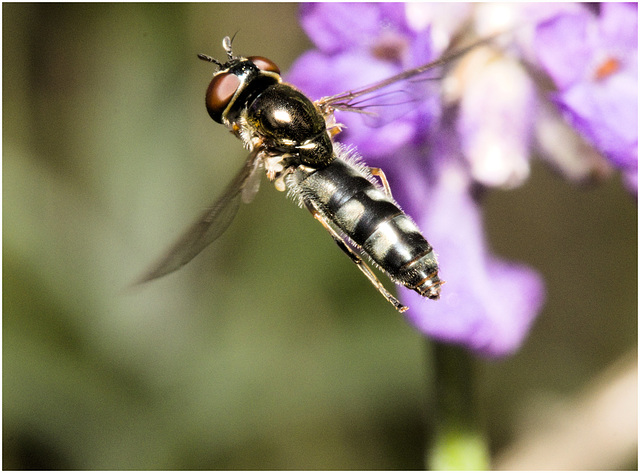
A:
356	259
379	173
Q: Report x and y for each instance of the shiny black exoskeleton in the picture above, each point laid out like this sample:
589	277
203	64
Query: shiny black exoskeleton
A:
290	123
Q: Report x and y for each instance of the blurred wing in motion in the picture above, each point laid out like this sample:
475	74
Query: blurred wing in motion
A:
211	223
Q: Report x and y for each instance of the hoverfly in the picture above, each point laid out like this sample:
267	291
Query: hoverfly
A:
291	138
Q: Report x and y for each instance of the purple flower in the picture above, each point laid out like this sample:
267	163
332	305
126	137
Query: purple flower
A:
593	61
437	148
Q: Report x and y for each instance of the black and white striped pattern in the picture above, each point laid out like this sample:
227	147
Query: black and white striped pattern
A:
345	194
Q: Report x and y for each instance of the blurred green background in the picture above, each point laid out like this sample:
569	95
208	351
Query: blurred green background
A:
270	350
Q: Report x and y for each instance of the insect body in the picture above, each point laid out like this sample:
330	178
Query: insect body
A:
342	195
290	137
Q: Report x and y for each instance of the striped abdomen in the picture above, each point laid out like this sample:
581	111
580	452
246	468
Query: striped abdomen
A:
373	221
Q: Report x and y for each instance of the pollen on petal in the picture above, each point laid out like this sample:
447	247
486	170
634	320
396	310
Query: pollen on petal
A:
606	68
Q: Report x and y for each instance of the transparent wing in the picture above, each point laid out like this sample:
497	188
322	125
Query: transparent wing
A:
382	107
346	101
211	223
251	185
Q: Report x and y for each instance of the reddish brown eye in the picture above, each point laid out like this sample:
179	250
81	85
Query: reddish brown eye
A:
264	64
220	93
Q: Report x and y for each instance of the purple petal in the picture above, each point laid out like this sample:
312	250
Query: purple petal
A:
496	123
311	74
564	45
487	304
335	27
377	142
606	113
317	73
619	26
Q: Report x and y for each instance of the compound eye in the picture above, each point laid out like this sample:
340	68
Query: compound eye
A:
220	92
264	64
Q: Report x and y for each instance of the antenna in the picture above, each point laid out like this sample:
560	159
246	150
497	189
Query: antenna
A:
204	57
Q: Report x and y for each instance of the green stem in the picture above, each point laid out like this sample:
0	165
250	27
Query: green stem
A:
458	442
